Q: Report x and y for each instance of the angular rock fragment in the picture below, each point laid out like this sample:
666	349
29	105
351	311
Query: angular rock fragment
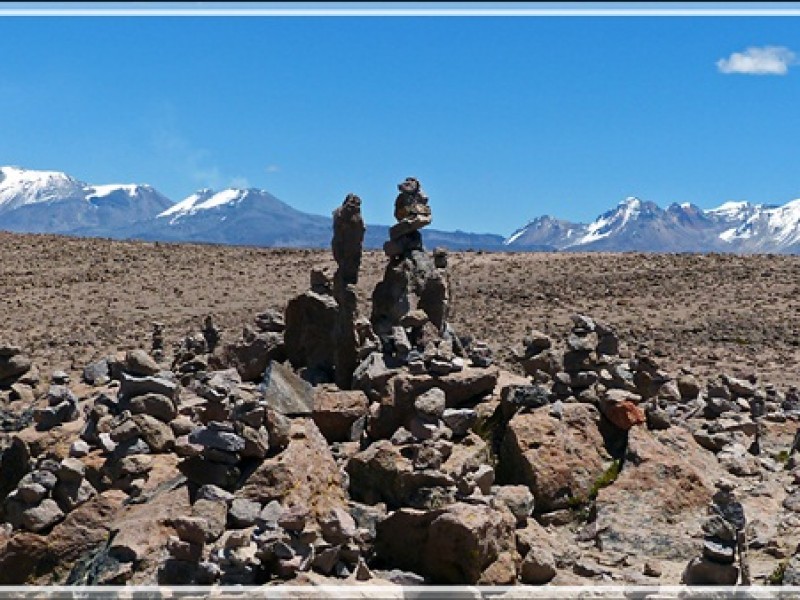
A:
455	545
337	412
558	459
285	393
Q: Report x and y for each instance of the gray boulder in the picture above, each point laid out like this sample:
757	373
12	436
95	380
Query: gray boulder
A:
285	392
41	517
132	386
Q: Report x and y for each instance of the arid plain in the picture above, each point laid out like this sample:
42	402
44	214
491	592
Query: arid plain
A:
66	301
620	449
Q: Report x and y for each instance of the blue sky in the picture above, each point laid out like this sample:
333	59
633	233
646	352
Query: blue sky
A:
501	118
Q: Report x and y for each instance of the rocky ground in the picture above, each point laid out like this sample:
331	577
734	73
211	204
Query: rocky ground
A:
70	300
602	418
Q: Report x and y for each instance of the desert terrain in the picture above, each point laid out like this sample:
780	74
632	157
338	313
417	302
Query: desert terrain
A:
68	300
603	418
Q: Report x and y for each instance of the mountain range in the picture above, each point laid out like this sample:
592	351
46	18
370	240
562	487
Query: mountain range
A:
54	202
641	226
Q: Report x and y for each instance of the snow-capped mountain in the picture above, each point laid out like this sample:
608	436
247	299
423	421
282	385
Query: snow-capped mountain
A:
633	225
53	202
768	229
637	225
255	217
21	187
239	216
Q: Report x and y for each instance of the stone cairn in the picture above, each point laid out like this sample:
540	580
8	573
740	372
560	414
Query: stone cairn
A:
327	341
321	336
157	344
724	542
347	245
410	304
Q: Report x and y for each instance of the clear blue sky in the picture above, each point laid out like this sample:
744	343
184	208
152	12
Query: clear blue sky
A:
501	118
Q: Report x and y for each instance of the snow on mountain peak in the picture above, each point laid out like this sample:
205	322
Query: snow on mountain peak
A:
20	186
730	206
101	191
516	235
224	197
783	223
733	210
609	222
203	200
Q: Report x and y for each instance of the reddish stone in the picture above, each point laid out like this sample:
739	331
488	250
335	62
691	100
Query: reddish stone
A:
624	414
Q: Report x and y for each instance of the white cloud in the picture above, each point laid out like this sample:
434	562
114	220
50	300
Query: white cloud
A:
273	168
194	163
769	60
241	183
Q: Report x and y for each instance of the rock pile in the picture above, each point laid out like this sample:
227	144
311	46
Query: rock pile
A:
44	495
413	294
19	379
724	542
14	366
62	406
320	446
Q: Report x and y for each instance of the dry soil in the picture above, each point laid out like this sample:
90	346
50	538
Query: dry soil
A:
68	300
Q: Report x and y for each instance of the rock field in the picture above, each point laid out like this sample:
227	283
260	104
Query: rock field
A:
186	414
68	300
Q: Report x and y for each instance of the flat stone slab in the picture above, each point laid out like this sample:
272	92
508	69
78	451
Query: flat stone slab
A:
285	392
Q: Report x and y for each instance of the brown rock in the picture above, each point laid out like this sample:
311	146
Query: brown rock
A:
156	434
305	473
23	392
191	529
82	531
538	567
251	355
41	517
336	412
455	545
70	494
347	243
13	366
55	442
396	408
518	499
138	362
22	557
558	459
14	464
308	338
701	571
161	407
382	473
502	571
211	515
688	386
621	408
285	392
256	442
467	456
143	530
666	480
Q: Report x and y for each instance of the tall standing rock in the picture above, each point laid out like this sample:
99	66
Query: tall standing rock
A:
347	245
412	278
311	319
